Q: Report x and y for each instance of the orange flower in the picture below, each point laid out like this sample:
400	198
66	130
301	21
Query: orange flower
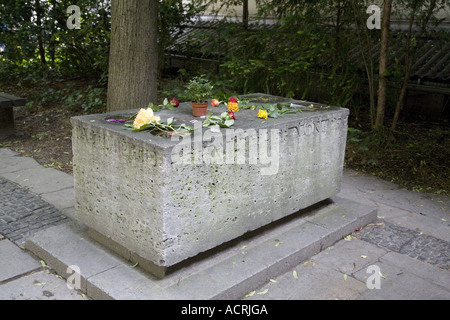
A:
215	102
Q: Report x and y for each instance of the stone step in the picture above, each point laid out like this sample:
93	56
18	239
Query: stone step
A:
227	272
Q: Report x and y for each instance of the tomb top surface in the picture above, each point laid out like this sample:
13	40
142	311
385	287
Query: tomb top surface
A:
245	118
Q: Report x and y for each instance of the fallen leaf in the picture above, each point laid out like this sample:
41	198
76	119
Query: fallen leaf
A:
363	256
250	294
273	281
348	238
134	265
345	277
244	247
37	283
294	273
263	292
43	263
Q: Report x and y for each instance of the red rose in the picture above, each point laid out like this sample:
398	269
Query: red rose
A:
233	100
174	102
231	115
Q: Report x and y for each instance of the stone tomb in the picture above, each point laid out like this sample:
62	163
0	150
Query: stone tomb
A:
160	201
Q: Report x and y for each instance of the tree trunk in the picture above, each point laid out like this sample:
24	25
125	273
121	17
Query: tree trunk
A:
408	64
384	45
245	14
133	62
366	49
410	55
40	36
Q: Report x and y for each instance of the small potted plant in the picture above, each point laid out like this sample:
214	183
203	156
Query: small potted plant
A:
199	89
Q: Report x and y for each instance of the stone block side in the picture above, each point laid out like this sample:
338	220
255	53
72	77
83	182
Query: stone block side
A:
119	184
207	205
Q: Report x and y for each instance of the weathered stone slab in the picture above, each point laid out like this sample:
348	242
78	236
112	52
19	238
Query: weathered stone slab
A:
14	262
166	200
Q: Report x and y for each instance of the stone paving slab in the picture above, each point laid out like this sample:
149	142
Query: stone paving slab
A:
41	285
40	180
342	272
410	284
12	164
14	262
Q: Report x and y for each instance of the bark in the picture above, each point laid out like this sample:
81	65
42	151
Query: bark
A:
245	14
133	64
383	71
366	49
408	63
40	35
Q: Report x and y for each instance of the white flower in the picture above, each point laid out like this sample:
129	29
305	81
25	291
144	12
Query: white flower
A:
145	117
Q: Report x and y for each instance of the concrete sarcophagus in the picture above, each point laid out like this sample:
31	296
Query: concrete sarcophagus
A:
160	200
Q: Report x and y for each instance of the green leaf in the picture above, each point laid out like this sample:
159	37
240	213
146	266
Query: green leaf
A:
169	121
228	123
345	277
165	102
294	273
274	114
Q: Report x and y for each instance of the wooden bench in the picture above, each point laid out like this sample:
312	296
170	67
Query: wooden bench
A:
7	103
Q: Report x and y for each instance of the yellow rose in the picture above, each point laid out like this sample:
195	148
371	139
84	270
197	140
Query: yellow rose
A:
262	114
145	117
233	106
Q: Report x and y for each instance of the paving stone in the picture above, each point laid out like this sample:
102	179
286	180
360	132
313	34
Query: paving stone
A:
5	153
22	213
14	261
15	164
408	287
40	180
61	199
419	268
314	281
410	242
42	285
